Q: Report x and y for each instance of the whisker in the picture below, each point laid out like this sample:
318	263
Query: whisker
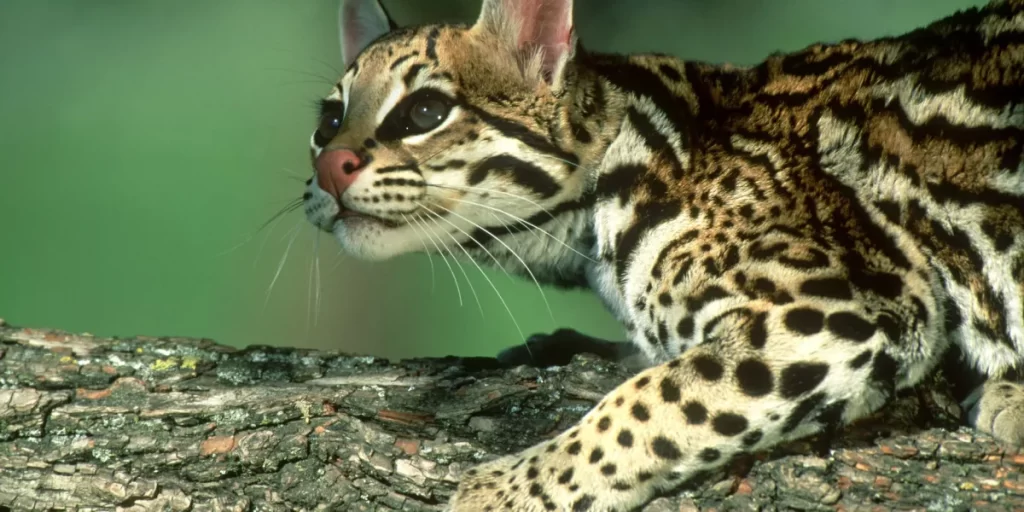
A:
464	274
341	259
314	273
309	288
284	258
507	228
426	250
527	223
292	175
292	55
330	67
489	281
493	257
458	290
553	157
510	250
293	204
318	76
462	188
515	254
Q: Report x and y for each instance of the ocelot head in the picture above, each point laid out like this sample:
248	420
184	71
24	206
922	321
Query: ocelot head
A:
442	136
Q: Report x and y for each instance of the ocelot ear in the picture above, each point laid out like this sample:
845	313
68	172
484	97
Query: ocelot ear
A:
530	26
359	23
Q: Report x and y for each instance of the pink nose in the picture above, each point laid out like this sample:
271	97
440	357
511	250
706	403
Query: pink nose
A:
336	170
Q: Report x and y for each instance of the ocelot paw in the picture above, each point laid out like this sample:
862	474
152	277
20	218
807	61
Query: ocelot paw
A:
558	348
1000	411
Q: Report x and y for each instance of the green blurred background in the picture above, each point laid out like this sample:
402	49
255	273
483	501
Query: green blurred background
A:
144	141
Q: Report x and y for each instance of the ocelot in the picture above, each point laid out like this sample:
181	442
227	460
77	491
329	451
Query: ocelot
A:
788	243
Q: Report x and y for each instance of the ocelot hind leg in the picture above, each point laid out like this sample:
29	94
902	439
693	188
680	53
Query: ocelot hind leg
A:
999	411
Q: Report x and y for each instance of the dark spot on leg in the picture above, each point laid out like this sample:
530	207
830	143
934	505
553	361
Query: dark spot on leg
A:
729	424
641	382
669	390
751	438
758	331
710	455
829	288
707	367
604	423
596	455
531	474
850	326
890	327
565	477
754	377
665	448
695	413
625	438
583	504
860	360
608	469
800	378
801	411
804	320
574	448
640	412
685	327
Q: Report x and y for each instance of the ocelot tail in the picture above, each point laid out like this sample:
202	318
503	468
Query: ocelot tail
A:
788	244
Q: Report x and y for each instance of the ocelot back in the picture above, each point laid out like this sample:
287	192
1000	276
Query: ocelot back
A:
788	243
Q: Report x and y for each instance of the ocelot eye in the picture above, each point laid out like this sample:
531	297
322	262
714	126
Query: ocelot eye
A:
331	112
329	125
428	113
417	113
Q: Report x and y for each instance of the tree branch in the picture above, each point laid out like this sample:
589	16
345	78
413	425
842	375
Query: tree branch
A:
184	424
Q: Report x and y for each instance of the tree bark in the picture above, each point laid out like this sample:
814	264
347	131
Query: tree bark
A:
134	424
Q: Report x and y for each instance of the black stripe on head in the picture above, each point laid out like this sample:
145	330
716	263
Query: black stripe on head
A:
398	62
412	73
517	131
432	44
522	173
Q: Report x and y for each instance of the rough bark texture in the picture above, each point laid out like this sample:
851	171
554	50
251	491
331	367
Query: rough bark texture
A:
182	424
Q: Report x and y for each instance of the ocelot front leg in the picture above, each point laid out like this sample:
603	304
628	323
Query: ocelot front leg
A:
776	361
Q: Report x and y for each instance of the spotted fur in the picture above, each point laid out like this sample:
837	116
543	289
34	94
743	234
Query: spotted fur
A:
788	243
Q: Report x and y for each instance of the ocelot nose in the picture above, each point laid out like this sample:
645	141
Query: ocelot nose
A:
336	170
